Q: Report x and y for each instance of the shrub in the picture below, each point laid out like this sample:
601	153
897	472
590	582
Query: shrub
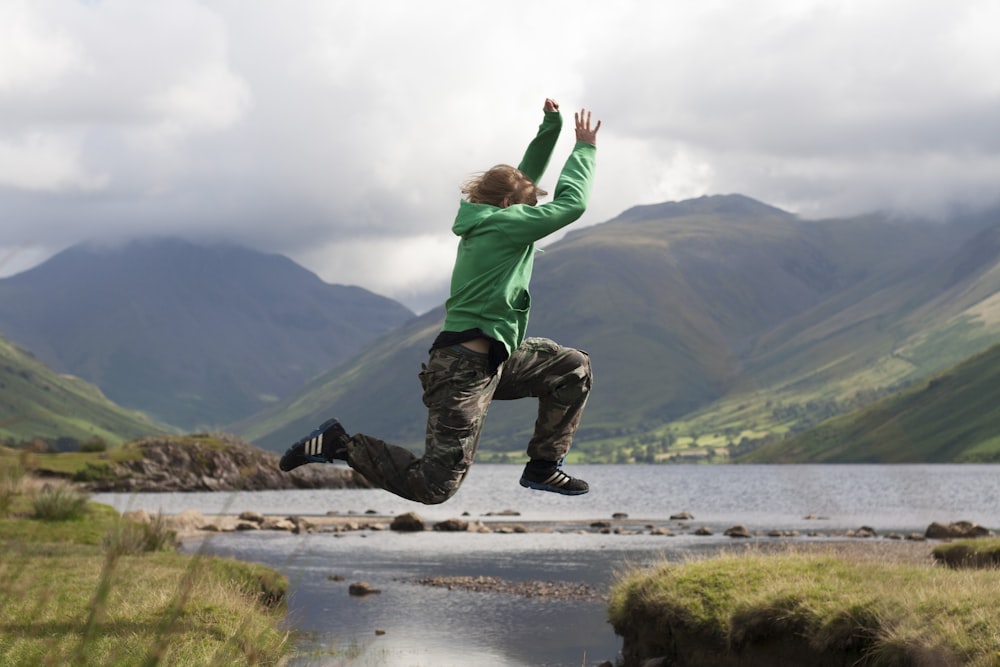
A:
132	538
59	503
99	472
95	444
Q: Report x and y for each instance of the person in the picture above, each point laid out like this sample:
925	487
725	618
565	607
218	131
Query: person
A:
482	353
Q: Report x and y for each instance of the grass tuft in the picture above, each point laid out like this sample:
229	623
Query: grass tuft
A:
810	605
59	503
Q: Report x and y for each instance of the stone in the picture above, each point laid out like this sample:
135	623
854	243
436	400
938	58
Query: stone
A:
452	526
955	530
737	531
704	530
362	588
256	517
409	522
682	516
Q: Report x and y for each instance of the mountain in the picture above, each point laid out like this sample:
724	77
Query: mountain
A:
951	417
38	403
193	335
719	316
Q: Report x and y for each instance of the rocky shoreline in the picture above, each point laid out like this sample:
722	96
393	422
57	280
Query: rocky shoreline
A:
864	543
206	462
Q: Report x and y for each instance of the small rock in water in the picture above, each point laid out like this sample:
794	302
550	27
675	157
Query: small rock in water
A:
452	525
738	530
362	588
409	522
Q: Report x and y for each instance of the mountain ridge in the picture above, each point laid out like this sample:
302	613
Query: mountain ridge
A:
193	335
683	316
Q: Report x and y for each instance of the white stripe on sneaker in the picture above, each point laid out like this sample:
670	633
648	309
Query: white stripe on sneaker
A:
314	447
558	478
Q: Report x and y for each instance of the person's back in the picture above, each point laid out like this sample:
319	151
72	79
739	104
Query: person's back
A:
482	353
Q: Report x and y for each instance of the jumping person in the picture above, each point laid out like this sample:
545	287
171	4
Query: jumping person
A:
482	353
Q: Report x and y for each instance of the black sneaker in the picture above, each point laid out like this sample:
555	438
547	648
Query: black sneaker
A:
552	479
324	445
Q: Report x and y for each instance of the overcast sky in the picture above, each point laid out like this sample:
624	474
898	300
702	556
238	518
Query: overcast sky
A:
337	133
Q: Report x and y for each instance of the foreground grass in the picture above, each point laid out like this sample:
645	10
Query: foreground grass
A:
808	609
80	592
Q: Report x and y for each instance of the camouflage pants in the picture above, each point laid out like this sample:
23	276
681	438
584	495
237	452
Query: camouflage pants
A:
458	390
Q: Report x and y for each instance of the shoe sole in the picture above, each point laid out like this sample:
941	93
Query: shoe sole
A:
537	486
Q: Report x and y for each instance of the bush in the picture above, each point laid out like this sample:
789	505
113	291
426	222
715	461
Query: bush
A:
94	445
94	472
59	503
132	538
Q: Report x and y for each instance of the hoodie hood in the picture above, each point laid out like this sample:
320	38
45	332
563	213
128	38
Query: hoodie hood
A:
470	216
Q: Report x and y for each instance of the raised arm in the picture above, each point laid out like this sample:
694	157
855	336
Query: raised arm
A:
536	157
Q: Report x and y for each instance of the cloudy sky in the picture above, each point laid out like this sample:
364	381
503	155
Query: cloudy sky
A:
337	133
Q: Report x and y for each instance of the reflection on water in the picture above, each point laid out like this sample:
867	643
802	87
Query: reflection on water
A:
435	626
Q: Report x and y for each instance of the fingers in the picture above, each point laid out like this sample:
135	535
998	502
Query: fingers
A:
582	119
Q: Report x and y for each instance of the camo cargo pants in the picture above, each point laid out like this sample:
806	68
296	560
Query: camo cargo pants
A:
458	390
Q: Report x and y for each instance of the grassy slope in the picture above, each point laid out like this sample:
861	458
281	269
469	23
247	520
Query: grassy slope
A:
36	402
952	417
69	599
700	320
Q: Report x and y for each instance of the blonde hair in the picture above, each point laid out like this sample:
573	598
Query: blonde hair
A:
502	186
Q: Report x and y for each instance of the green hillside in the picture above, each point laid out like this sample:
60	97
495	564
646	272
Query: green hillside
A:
709	322
953	417
35	402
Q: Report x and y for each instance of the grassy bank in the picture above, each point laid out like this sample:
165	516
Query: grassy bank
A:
80	586
808	609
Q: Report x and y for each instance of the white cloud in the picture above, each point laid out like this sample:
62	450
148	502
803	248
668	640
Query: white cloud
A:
45	162
34	56
348	126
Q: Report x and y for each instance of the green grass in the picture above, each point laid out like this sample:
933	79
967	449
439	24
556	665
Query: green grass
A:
948	418
98	590
38	403
823	608
976	553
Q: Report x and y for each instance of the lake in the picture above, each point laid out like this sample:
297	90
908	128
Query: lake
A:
435	626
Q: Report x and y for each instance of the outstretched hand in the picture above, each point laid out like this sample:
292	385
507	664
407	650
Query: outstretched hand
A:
550	105
583	130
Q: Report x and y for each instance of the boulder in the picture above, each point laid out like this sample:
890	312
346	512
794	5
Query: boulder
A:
737	531
956	530
362	588
682	516
212	462
452	525
409	522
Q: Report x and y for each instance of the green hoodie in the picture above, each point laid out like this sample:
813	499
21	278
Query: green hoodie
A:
489	284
